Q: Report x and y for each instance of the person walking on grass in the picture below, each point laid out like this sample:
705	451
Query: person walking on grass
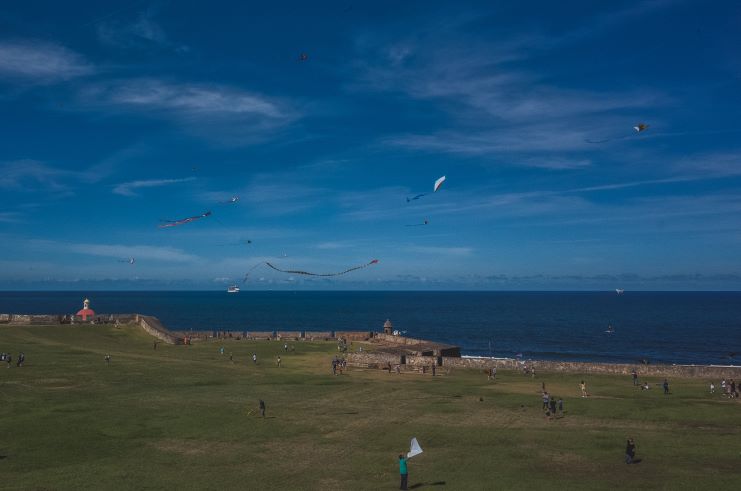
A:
630	451
254	358
262	408
403	471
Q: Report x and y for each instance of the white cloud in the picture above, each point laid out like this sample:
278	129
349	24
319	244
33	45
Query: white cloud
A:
441	251
220	113
139	252
129	188
9	217
191	99
28	175
143	33
41	61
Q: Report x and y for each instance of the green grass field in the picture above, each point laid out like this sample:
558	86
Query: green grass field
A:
178	418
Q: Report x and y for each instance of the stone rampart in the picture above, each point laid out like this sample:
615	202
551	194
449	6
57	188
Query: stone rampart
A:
154	327
372	360
317	335
380	360
261	335
289	335
354	335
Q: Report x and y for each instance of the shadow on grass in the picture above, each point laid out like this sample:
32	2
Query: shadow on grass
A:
422	484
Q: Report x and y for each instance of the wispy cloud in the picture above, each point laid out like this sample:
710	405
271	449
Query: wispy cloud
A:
32	175
29	175
129	188
170	254
41	61
143	33
440	251
496	106
190	100
218	112
9	217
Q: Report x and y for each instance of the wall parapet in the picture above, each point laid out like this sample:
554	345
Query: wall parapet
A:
381	360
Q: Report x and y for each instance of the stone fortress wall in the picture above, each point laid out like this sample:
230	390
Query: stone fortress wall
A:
382	360
388	349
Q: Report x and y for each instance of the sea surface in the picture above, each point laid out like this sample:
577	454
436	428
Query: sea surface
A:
661	327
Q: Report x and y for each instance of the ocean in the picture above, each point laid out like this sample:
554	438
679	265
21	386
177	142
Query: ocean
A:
662	327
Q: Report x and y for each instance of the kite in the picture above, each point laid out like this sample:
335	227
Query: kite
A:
437	185
130	260
639	128
303	57
174	223
231	200
414	449
237	243
307	273
425	222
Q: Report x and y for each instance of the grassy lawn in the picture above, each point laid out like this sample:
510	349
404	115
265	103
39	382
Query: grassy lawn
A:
177	418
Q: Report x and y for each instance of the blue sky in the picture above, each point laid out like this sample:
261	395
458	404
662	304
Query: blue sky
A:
116	116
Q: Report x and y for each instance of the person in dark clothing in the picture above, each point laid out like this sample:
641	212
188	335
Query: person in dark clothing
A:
630	451
262	408
9	358
553	406
403	471
635	377
21	359
433	369
666	386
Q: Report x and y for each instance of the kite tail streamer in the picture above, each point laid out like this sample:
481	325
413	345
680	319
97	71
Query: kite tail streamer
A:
307	273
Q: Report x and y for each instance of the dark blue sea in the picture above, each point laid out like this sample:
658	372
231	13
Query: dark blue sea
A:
662	327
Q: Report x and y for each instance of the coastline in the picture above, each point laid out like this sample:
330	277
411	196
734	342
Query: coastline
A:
412	354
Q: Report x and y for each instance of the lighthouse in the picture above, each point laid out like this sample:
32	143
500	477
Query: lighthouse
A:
86	310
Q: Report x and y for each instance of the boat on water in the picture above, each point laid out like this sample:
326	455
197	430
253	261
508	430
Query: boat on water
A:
233	289
619	291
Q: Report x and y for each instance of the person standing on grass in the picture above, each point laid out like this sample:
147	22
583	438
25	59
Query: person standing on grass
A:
583	389
9	358
712	388
278	361
546	399
630	451
560	406
403	471
262	408
635	377
666	386
254	358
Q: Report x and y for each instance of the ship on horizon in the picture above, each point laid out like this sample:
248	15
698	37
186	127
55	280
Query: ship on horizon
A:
233	289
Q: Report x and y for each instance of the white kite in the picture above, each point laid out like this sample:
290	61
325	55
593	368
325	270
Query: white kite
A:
439	183
414	449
